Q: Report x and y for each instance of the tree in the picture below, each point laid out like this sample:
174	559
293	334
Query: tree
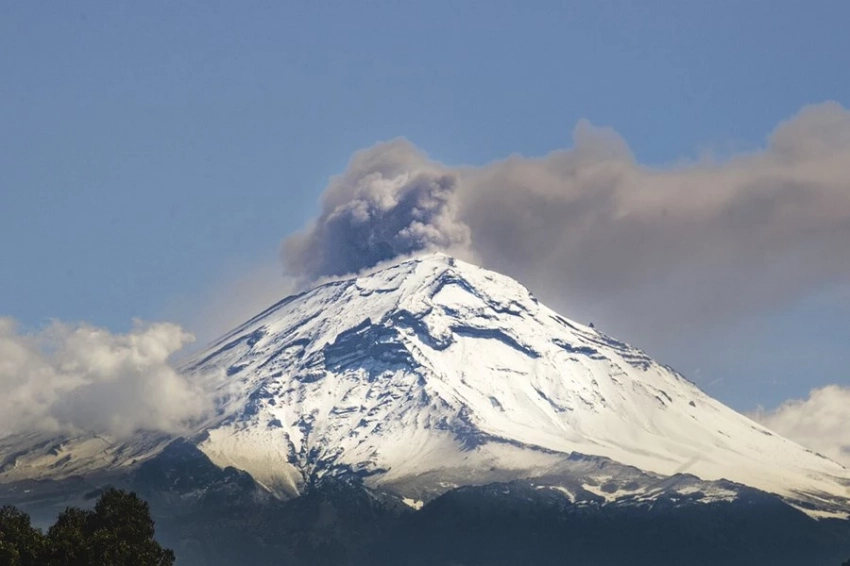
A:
20	543
119	530
68	538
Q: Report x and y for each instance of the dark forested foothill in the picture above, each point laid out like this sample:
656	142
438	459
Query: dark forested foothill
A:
119	530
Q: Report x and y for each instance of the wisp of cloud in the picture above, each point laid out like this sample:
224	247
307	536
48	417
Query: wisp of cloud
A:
819	422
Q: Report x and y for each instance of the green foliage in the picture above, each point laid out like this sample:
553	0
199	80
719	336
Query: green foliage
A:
68	538
118	531
20	543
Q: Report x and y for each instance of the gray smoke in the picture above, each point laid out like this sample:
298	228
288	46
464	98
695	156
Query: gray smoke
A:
390	202
598	235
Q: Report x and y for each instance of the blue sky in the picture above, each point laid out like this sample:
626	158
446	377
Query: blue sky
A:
150	151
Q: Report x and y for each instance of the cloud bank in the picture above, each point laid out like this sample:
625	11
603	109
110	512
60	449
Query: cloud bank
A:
819	422
77	378
596	234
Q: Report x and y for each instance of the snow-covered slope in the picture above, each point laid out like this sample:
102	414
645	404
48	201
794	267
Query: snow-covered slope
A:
435	373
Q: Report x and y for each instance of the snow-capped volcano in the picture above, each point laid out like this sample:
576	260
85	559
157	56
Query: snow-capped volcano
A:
435	373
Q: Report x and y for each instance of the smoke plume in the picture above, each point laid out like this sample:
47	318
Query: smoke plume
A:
596	234
390	202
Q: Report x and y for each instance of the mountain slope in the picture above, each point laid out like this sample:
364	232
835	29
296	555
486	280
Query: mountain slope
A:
435	373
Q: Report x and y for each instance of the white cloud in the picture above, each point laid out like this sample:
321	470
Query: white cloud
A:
74	378
821	422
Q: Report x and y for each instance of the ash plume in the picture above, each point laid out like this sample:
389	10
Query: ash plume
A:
597	234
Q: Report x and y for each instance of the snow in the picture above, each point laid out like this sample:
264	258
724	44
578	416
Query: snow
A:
413	503
570	496
435	373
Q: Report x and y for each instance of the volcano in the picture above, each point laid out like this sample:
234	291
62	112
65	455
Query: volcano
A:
433	376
